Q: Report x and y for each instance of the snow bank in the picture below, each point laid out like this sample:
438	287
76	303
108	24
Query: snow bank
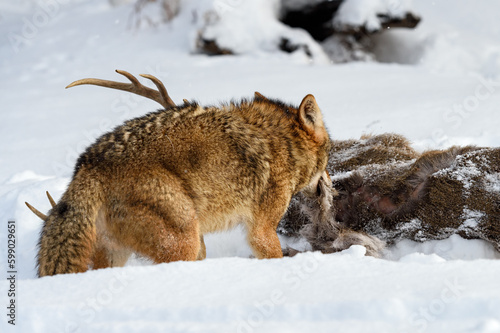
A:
324	293
365	13
247	27
448	39
452	248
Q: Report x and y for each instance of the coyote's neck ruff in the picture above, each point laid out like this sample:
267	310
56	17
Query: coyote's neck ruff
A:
157	183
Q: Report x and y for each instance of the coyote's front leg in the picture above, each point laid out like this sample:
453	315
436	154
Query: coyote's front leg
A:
203	250
262	235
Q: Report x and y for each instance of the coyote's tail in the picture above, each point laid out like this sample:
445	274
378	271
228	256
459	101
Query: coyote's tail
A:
68	237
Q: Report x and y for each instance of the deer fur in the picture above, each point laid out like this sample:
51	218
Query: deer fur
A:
387	190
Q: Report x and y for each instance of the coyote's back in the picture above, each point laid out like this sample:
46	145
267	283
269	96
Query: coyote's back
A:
159	182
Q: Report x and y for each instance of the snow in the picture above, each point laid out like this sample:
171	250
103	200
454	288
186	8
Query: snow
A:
356	13
441	88
310	291
492	183
472	218
232	26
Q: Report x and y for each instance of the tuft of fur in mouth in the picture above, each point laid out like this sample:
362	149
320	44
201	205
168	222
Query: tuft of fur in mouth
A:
324	233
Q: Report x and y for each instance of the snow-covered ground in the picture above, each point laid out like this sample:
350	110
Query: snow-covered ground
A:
438	85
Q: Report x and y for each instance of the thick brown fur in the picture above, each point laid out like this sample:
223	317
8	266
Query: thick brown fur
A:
391	192
158	183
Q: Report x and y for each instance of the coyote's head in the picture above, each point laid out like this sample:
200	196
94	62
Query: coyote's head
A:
318	140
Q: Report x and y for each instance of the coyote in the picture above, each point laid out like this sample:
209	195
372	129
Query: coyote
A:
156	184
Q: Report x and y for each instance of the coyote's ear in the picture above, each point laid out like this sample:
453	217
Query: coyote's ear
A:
258	95
311	118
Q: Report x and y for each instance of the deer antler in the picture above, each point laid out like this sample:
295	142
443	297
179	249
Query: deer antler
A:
37	212
160	96
52	201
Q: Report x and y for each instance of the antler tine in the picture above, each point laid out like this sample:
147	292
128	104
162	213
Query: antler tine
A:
52	201
36	212
129	76
161	89
135	87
